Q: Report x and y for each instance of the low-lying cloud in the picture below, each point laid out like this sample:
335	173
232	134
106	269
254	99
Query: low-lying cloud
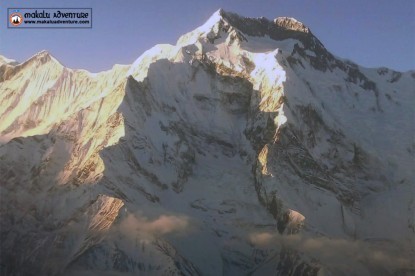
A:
138	225
342	255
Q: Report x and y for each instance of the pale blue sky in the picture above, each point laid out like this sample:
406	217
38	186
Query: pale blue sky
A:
371	33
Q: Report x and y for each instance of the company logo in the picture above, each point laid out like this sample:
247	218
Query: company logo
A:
16	19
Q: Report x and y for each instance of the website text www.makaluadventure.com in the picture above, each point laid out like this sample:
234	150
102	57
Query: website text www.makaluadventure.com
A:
56	22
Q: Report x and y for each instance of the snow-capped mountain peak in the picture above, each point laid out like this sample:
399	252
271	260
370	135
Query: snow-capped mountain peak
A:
246	148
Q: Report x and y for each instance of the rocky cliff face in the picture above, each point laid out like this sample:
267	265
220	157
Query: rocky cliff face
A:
247	148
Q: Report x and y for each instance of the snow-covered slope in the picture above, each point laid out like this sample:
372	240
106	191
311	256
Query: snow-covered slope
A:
246	148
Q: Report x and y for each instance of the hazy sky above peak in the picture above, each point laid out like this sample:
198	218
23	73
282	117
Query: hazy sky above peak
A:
371	33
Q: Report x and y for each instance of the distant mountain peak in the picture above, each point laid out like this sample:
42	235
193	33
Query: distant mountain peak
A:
291	23
261	25
43	53
43	57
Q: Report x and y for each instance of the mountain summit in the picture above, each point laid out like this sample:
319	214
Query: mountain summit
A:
245	149
280	28
262	26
